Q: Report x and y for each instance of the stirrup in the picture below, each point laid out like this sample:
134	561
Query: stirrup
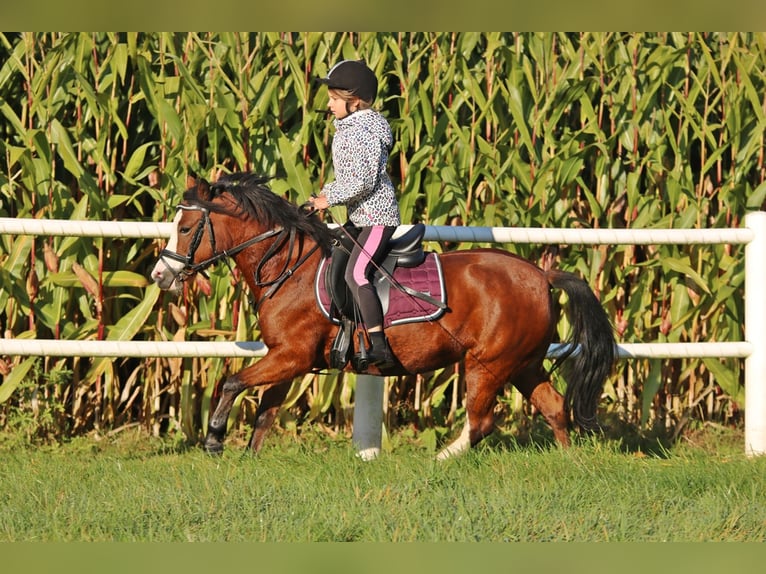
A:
383	358
361	360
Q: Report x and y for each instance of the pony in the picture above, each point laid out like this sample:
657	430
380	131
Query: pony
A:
499	320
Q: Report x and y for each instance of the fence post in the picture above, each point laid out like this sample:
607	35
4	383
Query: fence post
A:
368	415
755	334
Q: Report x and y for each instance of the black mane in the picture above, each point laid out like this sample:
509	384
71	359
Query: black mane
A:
256	200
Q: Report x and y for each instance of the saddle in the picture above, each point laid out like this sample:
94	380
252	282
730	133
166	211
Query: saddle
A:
403	251
409	283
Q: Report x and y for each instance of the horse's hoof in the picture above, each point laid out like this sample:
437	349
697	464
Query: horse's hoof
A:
214	447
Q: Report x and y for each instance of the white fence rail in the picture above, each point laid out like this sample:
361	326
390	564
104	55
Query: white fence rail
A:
753	350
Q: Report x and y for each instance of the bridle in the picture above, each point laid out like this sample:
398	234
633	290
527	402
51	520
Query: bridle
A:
190	267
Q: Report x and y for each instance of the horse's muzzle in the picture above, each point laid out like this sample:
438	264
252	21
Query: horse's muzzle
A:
165	277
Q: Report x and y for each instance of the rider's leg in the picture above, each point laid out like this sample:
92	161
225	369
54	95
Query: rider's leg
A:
371	248
372	314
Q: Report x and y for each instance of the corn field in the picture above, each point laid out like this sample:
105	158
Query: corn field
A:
591	130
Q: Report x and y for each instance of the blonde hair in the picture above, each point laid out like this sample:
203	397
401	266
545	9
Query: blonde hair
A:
348	95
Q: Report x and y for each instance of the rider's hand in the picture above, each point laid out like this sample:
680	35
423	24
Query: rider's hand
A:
319	202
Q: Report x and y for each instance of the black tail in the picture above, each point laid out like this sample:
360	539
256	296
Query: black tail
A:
592	350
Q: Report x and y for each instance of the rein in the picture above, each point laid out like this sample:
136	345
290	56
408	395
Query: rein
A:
205	223
286	272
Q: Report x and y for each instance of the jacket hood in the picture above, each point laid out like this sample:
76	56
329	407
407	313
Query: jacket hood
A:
371	121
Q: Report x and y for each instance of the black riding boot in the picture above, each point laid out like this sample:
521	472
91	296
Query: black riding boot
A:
380	354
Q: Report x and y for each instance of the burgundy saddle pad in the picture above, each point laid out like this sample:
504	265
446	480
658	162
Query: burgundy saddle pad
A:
398	307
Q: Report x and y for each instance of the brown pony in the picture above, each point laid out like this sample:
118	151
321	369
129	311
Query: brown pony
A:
500	321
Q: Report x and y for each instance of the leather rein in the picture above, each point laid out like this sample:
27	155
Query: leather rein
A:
205	223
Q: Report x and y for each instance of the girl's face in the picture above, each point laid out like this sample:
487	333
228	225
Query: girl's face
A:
338	107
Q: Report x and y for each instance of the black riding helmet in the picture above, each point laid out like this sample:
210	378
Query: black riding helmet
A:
354	76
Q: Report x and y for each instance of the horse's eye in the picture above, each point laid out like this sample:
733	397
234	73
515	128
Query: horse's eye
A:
184	230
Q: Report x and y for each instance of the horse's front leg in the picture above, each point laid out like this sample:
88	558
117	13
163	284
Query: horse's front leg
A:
268	408
216	427
273	373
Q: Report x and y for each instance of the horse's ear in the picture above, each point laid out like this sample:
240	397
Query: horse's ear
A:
203	190
200	186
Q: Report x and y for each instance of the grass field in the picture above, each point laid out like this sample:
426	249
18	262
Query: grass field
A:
313	488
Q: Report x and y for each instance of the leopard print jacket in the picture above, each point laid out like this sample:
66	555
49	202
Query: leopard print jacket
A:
360	150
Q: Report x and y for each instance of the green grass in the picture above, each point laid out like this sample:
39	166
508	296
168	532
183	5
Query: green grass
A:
137	488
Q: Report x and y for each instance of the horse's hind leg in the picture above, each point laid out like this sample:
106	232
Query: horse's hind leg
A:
535	385
480	399
459	445
268	408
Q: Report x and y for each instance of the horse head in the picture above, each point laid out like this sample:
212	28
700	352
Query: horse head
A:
218	221
192	244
